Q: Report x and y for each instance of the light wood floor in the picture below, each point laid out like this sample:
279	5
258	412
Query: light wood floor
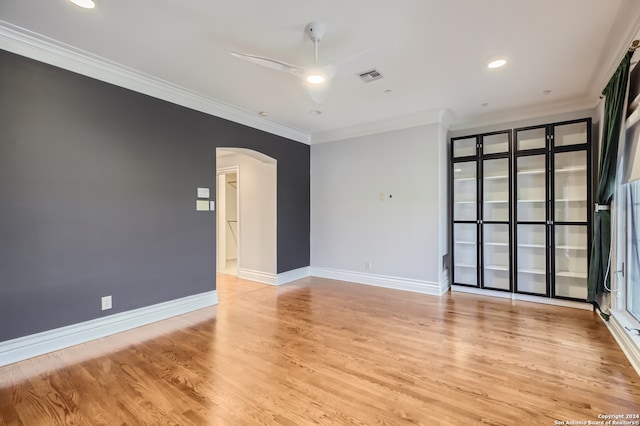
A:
328	352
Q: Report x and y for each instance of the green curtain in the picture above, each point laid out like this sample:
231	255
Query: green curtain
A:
614	93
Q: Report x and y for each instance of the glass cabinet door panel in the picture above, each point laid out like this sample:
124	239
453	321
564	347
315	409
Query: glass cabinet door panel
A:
570	187
497	143
496	254
465	241
495	188
464	147
531	139
464	191
531	188
571	254
570	134
532	261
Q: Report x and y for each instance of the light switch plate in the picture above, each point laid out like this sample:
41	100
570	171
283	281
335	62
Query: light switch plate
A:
203	192
212	206
202	205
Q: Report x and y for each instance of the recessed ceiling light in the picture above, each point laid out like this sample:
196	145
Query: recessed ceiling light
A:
484	105
264	113
388	91
87	4
497	63
315	112
546	92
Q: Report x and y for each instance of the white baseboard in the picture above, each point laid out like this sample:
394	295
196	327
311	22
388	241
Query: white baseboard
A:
52	340
397	283
481	292
259	276
293	275
550	301
629	344
522	297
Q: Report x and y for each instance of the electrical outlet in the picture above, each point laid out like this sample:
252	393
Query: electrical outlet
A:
382	196
106	303
367	265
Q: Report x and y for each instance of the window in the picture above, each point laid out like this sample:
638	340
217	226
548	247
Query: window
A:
632	243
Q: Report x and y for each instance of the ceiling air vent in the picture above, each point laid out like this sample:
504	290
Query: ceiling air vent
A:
370	76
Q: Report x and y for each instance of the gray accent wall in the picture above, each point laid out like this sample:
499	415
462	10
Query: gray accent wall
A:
98	193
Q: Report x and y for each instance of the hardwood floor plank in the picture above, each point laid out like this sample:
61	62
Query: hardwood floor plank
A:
325	352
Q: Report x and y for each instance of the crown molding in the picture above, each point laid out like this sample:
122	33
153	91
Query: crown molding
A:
406	121
627	28
35	46
538	111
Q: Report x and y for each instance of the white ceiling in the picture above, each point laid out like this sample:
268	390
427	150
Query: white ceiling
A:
440	52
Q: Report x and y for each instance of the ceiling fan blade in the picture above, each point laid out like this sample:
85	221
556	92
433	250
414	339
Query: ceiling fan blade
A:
330	71
318	92
368	58
269	63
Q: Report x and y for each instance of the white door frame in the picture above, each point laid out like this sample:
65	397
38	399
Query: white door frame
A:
221	229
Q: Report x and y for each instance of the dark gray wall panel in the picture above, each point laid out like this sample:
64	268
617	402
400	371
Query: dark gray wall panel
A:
97	197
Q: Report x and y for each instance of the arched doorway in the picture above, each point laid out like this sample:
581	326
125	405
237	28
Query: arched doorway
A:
246	214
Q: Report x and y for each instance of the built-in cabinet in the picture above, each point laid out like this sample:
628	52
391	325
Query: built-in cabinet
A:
481	206
521	210
552	209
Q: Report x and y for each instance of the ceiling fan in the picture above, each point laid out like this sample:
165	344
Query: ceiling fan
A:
317	78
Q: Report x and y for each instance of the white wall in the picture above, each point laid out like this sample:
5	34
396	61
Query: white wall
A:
257	230
404	237
443	199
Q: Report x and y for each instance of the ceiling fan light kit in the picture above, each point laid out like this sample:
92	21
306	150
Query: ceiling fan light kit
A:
87	4
317	77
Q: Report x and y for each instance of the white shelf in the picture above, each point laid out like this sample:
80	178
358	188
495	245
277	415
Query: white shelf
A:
465	265
532	245
497	267
567	200
532	172
564	170
570	274
496	244
496	201
533	271
485	178
465	202
467	242
572	169
531	201
583	248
